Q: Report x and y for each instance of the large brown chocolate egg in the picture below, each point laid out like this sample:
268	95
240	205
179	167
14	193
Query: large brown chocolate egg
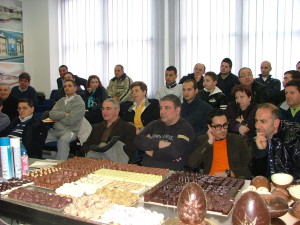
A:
250	209
296	209
191	204
261	181
276	205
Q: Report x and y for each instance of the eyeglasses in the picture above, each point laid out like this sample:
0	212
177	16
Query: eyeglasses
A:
219	126
246	75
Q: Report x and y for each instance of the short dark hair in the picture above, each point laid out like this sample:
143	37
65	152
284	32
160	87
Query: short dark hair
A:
275	111
26	100
69	73
141	84
88	83
195	86
294	82
215	112
243	69
213	75
25	76
295	74
227	60
63	66
73	82
242	88
122	67
172	68
172	98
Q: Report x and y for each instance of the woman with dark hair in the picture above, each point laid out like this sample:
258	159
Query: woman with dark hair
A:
241	113
143	110
94	95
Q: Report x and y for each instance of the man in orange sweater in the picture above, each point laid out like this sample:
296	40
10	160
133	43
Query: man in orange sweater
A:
222	153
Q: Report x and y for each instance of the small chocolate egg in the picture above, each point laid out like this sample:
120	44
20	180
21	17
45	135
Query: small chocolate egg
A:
191	204
261	181
276	205
296	209
250	209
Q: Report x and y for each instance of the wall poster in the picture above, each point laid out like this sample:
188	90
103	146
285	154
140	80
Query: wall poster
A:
11	41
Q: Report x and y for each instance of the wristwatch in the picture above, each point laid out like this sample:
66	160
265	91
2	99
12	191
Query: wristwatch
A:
228	172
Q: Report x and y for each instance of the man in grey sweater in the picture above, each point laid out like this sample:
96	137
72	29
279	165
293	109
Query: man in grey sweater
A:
67	113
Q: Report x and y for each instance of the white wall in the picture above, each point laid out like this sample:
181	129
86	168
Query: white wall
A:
40	19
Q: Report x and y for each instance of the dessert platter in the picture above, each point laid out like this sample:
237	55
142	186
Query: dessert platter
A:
95	190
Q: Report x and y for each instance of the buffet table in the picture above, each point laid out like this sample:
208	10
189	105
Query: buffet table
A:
33	214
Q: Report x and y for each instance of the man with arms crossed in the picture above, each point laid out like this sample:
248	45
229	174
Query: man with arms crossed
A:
167	142
67	113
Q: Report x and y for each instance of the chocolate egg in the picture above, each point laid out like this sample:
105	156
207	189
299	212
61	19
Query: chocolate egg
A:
282	180
250	209
276	205
296	209
261	181
191	204
281	192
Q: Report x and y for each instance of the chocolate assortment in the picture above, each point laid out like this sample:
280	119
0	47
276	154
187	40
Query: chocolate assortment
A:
77	167
39	197
220	192
12	183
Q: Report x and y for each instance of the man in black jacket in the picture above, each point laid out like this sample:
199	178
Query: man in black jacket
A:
278	144
259	92
60	81
197	75
273	85
32	131
226	79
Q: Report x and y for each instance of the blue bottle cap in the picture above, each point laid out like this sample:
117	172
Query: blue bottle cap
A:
23	151
4	141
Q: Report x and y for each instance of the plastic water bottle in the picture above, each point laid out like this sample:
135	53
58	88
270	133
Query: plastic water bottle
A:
24	160
6	158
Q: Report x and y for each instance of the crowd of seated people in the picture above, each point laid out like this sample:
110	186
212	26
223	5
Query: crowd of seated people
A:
204	123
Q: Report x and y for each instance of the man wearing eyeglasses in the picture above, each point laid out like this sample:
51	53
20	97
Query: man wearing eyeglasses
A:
259	91
222	154
31	130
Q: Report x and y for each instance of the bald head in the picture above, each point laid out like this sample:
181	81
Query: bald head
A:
265	68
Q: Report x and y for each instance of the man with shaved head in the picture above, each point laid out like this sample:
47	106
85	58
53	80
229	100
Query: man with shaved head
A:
272	84
197	75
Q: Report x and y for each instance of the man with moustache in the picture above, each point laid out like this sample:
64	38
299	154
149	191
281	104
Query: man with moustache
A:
277	144
260	93
197	75
222	153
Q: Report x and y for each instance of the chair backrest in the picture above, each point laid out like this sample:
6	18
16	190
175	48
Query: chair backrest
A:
53	94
